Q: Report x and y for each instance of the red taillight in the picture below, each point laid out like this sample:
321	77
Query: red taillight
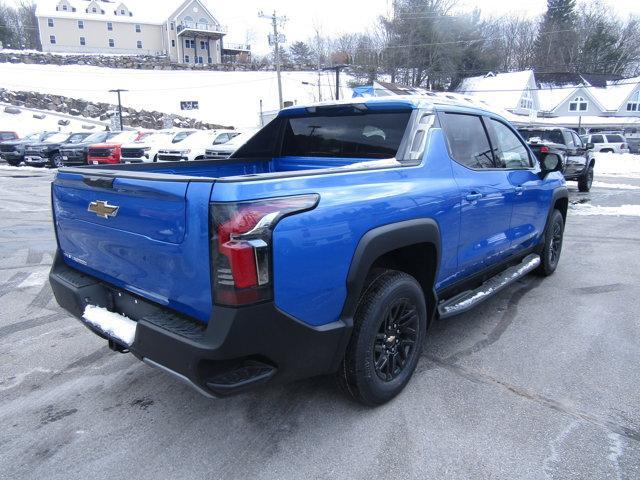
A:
544	149
241	246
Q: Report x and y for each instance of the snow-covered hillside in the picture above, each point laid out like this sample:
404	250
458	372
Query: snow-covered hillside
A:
228	98
25	123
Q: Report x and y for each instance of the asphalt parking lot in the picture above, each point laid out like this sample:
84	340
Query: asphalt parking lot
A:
539	382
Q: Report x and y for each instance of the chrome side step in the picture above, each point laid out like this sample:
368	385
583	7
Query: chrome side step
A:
469	299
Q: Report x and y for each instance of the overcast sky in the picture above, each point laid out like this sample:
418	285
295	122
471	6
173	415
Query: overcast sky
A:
338	16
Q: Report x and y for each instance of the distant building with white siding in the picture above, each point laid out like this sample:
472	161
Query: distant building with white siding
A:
185	31
569	99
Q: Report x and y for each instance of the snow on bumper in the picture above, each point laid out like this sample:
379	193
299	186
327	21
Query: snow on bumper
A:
111	324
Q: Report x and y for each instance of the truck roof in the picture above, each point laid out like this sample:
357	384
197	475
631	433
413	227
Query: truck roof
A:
428	100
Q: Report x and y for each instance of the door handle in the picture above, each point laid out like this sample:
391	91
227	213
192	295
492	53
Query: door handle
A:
519	190
473	197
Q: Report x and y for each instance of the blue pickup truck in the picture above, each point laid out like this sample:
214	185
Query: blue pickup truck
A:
327	244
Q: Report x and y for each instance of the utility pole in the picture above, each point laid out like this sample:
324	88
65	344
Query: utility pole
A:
118	91
337	69
276	39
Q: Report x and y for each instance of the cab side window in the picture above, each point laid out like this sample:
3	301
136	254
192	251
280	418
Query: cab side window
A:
467	139
510	151
576	140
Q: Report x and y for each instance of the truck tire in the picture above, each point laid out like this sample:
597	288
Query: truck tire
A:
586	180
552	247
56	161
389	328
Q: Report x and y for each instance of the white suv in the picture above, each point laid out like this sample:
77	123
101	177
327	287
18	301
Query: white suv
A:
147	148
607	142
194	146
225	150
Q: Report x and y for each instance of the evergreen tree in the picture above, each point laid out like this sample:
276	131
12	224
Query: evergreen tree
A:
601	52
557	41
301	54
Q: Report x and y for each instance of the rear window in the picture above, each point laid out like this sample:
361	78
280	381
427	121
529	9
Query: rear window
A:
550	136
360	135
615	139
597	139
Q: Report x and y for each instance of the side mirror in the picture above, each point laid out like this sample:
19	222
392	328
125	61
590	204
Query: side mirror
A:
550	162
589	146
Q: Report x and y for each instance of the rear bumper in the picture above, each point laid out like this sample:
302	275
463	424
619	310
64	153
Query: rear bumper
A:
241	348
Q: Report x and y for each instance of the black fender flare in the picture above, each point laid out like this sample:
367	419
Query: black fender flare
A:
558	193
381	240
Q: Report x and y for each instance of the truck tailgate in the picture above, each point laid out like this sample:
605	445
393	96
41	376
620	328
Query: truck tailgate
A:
149	237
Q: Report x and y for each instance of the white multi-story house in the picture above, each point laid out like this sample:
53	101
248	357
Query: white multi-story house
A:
568	99
185	31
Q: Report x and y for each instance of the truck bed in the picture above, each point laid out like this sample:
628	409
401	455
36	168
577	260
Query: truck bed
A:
221	170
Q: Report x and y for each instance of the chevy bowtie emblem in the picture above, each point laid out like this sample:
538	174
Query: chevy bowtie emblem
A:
103	209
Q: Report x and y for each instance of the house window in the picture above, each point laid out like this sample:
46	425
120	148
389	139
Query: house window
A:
50	22
173	26
81	24
64	8
122	12
112	42
139	43
173	43
52	39
203	45
83	41
138	28
200	60
526	101
110	26
94	10
186	59
579	104
634	102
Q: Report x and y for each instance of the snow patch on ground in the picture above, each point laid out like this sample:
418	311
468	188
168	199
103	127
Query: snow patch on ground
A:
622	210
113	324
616	164
36	279
615	186
26	169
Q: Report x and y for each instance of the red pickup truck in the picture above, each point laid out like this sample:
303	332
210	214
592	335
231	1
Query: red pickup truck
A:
110	152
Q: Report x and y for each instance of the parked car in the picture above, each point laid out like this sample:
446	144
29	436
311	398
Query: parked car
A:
328	243
607	142
577	158
109	152
225	150
632	135
5	136
76	153
47	152
13	150
146	149
194	147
